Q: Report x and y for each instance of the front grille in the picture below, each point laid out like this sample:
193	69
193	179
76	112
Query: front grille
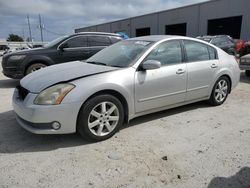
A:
22	92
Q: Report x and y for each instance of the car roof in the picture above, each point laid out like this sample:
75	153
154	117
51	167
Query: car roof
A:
98	33
155	38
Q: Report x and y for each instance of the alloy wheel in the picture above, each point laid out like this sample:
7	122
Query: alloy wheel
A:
103	118
221	91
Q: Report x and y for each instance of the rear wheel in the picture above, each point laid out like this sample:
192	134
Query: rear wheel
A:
247	73
34	67
100	118
220	91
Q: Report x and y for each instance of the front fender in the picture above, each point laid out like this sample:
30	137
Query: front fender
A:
121	81
36	58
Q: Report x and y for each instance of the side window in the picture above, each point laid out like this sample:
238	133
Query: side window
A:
220	40
216	41
167	53
226	39
196	51
98	41
76	42
212	53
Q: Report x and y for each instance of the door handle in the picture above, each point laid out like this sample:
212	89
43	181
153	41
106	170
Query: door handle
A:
180	71
214	66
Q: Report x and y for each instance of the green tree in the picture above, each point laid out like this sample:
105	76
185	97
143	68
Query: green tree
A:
16	38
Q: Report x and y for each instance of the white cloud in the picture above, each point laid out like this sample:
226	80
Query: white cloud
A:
62	16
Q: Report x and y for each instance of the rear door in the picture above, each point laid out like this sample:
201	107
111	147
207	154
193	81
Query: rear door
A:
97	43
202	68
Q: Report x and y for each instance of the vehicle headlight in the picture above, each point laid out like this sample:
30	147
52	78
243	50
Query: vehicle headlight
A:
54	94
17	57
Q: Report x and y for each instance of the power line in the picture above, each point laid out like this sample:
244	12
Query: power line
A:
52	32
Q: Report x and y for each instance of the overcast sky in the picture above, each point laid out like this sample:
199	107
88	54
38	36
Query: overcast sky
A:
63	16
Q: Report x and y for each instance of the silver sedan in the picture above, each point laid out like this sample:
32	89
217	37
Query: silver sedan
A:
126	80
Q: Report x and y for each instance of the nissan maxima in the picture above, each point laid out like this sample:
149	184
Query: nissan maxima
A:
128	79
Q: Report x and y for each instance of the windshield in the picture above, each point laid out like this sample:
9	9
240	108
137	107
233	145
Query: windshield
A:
121	54
53	42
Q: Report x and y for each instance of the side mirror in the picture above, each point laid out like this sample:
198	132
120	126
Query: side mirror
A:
151	64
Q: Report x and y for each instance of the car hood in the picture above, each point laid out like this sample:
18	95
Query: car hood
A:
41	79
28	51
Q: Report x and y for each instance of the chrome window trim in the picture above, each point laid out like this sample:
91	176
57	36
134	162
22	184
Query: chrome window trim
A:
87	41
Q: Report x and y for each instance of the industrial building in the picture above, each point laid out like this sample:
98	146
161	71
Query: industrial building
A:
231	17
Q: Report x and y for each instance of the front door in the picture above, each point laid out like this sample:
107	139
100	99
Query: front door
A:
74	49
166	85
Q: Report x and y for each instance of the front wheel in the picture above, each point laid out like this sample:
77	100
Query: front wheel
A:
220	91
100	118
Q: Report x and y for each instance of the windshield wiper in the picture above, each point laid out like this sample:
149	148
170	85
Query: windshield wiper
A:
96	63
119	66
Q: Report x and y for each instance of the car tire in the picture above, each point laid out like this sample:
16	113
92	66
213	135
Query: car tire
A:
34	67
247	72
220	91
100	118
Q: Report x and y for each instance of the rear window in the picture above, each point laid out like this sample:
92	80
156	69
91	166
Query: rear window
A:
98	41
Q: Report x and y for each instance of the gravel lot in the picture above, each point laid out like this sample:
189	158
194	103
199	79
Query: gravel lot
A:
195	146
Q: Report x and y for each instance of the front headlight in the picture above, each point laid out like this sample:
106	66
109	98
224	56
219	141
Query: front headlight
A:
17	57
54	94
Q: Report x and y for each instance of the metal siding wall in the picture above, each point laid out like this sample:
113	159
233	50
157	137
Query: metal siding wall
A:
86	29
103	28
223	9
144	21
189	15
195	16
123	25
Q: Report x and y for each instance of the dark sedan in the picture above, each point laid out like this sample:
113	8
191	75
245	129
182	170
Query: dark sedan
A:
78	46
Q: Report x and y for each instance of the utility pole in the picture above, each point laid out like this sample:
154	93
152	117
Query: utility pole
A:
41	27
23	34
29	28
